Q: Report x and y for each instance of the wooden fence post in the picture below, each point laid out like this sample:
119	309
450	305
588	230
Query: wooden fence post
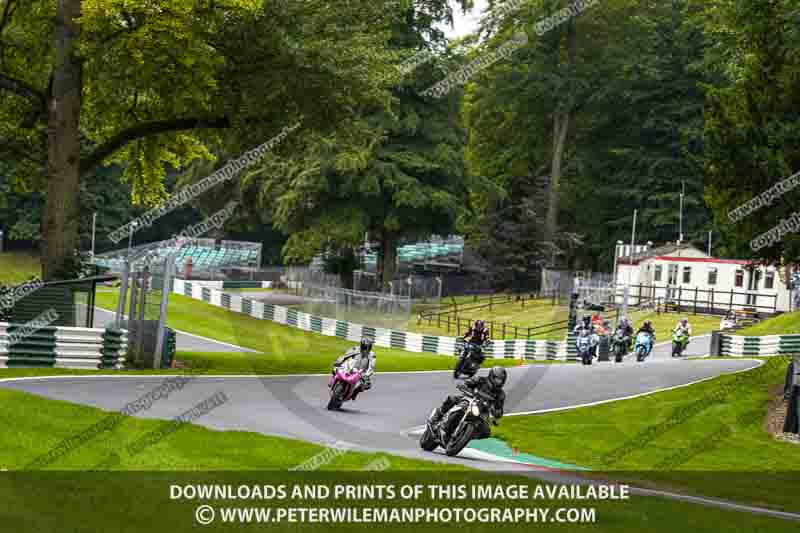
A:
695	300
731	304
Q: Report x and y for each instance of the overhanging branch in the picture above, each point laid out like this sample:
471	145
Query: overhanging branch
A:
147	129
23	89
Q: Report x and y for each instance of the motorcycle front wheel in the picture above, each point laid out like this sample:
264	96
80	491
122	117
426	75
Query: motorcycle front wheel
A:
459	440
337	397
457	369
428	442
676	349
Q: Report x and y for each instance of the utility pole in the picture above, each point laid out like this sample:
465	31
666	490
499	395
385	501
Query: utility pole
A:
633	239
680	216
94	228
709	243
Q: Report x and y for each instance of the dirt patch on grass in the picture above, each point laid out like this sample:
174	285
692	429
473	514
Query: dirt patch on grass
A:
776	415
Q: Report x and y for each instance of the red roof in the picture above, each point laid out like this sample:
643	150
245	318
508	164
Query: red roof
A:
702	260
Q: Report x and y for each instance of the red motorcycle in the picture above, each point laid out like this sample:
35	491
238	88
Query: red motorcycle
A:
343	384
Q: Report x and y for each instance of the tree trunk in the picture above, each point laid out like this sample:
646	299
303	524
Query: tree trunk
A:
389	257
346	270
61	212
561	123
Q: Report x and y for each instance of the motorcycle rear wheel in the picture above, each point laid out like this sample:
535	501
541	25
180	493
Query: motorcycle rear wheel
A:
427	441
337	397
458	441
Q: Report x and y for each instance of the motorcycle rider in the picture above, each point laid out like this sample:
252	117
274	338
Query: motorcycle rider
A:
647	326
365	361
478	334
491	385
586	327
627	330
683	324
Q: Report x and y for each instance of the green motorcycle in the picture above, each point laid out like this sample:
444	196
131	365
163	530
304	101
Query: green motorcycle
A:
680	338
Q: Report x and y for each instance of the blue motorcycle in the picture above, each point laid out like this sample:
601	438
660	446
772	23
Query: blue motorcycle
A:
643	345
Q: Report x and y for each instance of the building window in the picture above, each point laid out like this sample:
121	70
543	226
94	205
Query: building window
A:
769	280
712	275
687	274
739	278
657	273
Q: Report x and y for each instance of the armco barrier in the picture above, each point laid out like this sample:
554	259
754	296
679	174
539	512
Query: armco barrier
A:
63	347
403	340
747	346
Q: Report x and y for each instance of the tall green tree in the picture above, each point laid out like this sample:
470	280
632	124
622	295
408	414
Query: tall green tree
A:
752	126
155	83
394	173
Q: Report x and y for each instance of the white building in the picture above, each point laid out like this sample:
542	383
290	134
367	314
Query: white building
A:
689	277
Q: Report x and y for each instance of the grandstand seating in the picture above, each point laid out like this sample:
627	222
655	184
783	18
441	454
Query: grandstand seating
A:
204	253
409	254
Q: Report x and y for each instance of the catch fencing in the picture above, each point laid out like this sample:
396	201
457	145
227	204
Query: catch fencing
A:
370	308
384	337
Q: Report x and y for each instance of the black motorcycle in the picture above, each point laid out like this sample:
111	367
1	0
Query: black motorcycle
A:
470	360
468	419
620	343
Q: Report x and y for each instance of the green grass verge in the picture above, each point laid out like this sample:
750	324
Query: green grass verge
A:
16	267
34	425
282	349
725	434
59	501
785	324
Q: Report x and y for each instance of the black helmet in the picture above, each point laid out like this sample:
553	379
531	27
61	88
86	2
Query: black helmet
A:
647	323
366	344
497	376
586	319
479	325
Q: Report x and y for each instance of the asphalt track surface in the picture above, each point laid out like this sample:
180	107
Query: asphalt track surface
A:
382	418
388	417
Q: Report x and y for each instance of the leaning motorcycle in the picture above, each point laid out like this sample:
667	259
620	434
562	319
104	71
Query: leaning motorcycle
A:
643	345
467	420
343	384
619	343
585	344
470	360
680	338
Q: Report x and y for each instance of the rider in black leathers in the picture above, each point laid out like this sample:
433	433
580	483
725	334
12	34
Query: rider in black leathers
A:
491	385
478	334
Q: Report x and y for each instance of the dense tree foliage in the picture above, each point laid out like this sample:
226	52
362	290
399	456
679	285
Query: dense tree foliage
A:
752	123
617	108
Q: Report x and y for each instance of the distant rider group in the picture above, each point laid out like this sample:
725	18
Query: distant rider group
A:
625	340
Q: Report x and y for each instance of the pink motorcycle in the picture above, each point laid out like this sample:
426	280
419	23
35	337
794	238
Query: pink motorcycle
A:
343	384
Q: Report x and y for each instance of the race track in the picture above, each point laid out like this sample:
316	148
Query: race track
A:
380	419
388	417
